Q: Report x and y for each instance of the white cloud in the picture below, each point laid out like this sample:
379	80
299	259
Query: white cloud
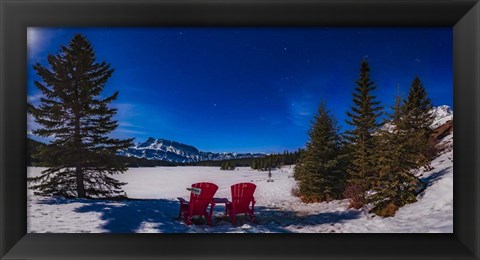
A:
125	110
34	98
31	124
128	131
37	39
126	124
302	109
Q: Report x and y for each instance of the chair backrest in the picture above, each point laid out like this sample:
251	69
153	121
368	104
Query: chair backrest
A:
242	196
199	200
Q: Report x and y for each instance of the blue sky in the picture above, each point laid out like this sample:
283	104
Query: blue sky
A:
249	89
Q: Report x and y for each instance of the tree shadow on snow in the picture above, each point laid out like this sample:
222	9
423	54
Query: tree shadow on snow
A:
286	221
131	216
432	178
283	218
160	216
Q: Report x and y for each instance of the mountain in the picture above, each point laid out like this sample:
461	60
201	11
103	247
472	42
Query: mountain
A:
442	126
167	150
442	115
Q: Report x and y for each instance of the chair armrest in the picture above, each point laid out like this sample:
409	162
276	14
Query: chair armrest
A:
182	200
221	200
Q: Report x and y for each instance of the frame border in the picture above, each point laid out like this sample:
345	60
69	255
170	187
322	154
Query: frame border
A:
16	15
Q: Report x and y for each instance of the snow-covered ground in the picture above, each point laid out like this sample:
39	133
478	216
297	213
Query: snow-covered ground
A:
156	207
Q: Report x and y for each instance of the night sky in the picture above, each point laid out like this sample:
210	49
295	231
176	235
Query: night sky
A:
249	89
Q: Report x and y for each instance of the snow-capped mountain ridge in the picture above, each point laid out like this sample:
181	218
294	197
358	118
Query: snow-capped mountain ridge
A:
441	115
167	150
168	145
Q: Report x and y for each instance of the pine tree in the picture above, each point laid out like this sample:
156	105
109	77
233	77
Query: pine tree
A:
82	157
254	165
227	166
231	166
320	171
224	166
396	185
419	118
264	165
362	171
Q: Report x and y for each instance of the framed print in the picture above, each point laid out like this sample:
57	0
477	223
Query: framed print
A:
198	120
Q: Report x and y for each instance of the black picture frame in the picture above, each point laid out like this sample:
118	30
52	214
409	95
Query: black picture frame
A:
16	16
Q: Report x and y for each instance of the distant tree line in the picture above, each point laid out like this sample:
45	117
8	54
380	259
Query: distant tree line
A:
237	162
227	166
275	160
265	163
373	163
33	147
134	162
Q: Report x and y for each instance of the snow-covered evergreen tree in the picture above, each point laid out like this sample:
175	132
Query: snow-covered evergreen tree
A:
418	121
396	185
362	146
76	114
320	170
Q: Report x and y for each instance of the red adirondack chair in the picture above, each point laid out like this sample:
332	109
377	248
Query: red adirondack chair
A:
200	197
242	197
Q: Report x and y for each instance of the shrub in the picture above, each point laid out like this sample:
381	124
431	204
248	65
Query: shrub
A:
295	191
386	209
356	195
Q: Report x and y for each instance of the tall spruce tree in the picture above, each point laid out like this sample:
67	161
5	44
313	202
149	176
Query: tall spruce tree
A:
418	120
396	185
320	170
82	157
363	117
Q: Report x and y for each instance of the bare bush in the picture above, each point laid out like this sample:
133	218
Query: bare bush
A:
356	195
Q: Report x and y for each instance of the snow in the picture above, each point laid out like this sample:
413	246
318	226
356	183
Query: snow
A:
442	114
154	207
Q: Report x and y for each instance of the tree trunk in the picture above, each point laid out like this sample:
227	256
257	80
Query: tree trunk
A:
78	169
80	185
